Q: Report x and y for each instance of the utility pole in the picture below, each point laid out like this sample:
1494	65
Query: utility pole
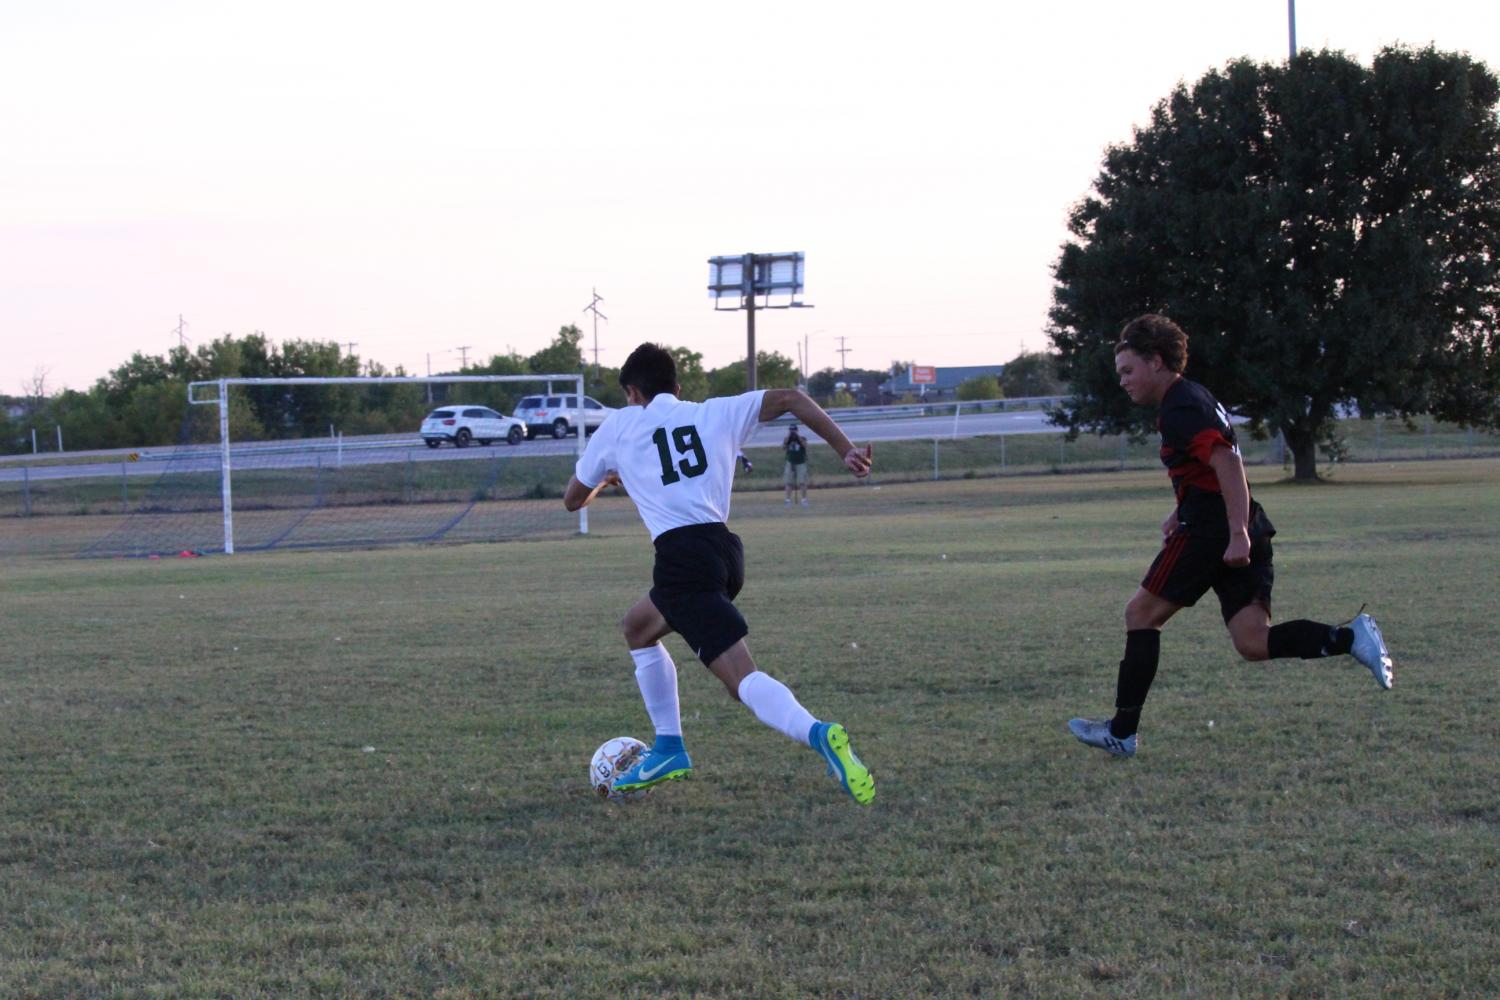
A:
180	330
1291	28
748	286
593	307
349	346
807	353
843	361
463	353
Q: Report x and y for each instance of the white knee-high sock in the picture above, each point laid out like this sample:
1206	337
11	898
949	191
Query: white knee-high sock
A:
774	704
656	676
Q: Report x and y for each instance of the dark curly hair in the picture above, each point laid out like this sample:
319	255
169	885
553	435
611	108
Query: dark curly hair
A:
1154	336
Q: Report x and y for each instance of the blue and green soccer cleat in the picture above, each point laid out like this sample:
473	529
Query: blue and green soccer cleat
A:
830	740
652	769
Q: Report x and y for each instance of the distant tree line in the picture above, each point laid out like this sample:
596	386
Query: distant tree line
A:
144	402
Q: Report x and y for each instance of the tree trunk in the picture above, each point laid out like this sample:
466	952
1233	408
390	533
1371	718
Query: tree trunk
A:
1304	447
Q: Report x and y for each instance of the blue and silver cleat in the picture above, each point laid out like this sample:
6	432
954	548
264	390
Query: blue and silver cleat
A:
1095	733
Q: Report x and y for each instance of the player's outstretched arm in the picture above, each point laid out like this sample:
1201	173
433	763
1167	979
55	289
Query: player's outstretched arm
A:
578	495
800	405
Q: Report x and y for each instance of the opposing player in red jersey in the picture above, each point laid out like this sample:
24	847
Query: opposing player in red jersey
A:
1216	538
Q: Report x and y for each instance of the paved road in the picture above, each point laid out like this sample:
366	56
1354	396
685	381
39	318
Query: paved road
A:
153	462
926	428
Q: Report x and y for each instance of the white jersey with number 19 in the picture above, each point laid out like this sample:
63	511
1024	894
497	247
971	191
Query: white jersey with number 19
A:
676	459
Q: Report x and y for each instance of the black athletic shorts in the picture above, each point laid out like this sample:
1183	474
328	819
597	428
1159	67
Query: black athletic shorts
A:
699	571
1191	563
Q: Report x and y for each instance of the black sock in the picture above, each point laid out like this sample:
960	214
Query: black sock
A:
1308	640
1137	671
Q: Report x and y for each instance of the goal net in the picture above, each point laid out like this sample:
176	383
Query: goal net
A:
285	463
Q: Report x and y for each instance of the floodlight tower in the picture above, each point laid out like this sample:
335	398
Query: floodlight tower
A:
742	277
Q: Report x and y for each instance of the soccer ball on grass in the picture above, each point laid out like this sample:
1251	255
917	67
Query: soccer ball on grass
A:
612	759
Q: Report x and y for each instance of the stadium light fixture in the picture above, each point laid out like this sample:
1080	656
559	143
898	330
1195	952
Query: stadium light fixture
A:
742	278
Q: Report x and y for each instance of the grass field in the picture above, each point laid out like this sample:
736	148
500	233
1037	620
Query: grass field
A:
362	773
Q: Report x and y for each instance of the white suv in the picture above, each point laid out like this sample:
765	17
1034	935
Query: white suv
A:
555	414
461	424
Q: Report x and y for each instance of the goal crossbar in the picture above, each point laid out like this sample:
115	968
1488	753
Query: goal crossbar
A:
221	399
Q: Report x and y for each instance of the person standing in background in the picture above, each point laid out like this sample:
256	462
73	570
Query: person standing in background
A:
795	446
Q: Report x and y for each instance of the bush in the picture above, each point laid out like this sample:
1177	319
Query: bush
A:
979	387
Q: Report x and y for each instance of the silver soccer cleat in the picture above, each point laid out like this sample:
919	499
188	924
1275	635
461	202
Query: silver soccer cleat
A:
1369	648
1095	732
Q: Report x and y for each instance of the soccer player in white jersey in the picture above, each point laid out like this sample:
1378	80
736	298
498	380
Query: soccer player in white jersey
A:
676	460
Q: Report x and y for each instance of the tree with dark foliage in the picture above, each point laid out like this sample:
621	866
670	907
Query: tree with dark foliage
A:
1327	233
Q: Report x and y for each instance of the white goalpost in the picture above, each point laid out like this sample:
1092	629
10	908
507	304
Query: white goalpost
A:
216	392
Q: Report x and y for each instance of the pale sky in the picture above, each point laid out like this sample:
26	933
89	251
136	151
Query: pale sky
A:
420	177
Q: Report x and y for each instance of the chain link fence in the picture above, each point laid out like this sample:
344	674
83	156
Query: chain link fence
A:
41	511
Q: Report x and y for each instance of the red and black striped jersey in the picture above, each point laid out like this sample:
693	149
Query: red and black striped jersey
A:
1192	425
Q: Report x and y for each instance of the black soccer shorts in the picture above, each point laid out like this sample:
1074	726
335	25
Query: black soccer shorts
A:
1190	564
699	571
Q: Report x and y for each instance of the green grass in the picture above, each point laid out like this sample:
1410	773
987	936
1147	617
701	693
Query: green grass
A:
362	774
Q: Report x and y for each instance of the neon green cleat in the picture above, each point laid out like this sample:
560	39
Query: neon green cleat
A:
830	740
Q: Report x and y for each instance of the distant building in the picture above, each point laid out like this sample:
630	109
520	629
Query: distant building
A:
944	385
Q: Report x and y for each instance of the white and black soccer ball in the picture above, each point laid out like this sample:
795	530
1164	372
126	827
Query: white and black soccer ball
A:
611	759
